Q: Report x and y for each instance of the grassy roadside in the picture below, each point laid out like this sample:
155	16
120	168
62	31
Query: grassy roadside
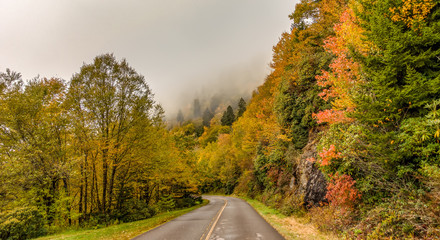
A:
124	230
292	228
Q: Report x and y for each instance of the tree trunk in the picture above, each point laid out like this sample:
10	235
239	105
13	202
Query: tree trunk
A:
81	191
66	190
104	178
112	179
85	183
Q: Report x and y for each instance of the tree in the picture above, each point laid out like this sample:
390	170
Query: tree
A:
117	105
197	109
228	117
180	118
207	116
35	132
241	107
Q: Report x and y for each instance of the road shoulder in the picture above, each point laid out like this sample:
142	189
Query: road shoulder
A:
291	228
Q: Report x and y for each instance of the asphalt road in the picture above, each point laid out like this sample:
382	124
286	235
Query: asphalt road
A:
224	218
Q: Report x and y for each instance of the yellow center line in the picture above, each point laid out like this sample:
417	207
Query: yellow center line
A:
219	213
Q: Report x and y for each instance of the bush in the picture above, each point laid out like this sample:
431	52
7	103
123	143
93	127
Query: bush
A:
185	202
414	215
166	203
22	223
134	210
293	205
330	218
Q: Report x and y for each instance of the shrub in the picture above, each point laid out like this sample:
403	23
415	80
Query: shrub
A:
166	203
22	223
341	191
185	202
134	210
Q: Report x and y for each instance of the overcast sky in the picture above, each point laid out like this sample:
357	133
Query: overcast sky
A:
184	48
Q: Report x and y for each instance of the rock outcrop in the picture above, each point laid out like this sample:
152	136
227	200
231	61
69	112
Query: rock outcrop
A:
308	180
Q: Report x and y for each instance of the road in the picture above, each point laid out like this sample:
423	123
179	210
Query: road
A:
224	218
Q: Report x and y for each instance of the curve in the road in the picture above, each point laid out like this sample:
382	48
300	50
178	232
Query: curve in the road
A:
224	218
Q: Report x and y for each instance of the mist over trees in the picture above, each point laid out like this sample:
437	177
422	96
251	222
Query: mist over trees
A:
180	117
197	109
207	116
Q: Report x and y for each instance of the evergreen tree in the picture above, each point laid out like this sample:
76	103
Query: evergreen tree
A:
207	116
215	102
241	107
228	117
403	74
180	118
197	109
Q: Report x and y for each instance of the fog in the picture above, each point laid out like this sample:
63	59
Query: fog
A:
186	49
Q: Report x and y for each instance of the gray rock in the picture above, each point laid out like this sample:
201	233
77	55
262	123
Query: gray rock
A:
308	180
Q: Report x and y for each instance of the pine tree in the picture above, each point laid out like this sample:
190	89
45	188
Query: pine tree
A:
207	116
180	118
228	117
197	108
403	73
241	107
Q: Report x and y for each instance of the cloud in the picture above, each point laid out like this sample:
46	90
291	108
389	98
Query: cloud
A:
194	47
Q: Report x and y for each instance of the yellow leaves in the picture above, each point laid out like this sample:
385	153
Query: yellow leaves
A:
412	12
437	133
283	137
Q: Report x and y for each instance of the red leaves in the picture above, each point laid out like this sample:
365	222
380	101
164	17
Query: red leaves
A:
344	73
331	116
328	154
341	191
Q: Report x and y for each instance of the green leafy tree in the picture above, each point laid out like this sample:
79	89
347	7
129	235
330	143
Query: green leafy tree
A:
35	135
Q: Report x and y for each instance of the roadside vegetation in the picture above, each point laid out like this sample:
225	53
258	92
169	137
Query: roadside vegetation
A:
290	227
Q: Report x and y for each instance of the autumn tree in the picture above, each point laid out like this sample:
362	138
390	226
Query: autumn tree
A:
35	135
114	101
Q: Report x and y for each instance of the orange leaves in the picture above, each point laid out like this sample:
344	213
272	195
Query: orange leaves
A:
348	33
344	72
328	154
332	116
341	191
412	12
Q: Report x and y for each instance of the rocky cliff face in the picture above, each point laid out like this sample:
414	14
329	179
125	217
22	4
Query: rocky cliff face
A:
307	179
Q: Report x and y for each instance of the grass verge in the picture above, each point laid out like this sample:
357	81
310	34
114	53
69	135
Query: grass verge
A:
123	230
291	228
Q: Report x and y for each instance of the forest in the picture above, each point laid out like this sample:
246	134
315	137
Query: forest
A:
88	152
344	130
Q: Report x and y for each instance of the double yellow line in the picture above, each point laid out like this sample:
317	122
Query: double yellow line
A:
214	223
